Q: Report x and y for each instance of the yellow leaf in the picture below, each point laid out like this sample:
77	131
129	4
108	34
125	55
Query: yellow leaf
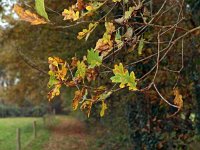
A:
89	8
71	14
86	32
28	16
58	72
81	69
116	1
103	108
122	76
58	66
110	28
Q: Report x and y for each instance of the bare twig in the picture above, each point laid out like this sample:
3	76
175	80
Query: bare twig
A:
163	97
30	63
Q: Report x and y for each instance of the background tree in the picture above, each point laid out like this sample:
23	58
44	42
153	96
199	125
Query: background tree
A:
149	38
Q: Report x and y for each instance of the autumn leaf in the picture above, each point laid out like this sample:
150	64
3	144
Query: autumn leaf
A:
86	32
54	92
103	108
104	95
80	5
93	58
87	106
123	77
74	62
58	67
104	45
91	74
140	46
178	99
75	81
92	6
128	13
40	8
118	40
71	13
57	73
110	28
116	1
77	98
52	79
81	70
129	33
100	90
28	16
131	82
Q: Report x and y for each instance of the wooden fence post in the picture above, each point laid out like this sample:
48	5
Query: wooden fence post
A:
34	129
18	140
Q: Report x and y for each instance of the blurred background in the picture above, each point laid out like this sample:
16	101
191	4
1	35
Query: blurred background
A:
133	120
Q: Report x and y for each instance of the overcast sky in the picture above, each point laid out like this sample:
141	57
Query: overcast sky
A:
7	5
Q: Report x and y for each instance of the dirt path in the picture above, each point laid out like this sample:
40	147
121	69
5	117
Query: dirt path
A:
69	134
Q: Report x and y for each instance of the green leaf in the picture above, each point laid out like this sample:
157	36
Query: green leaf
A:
123	77
40	8
93	58
104	95
52	79
129	33
118	40
140	47
131	82
129	13
81	69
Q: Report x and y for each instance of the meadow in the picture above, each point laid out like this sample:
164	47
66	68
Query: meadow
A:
8	128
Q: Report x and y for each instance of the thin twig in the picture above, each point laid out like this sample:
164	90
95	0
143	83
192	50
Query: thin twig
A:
163	97
30	63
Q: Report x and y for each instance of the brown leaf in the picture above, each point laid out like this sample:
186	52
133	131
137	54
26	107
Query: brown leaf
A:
28	16
73	83
80	5
87	106
91	74
104	47
77	98
74	62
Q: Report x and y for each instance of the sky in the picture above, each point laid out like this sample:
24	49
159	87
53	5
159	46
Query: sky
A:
7	5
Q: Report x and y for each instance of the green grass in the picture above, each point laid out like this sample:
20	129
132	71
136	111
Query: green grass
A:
8	128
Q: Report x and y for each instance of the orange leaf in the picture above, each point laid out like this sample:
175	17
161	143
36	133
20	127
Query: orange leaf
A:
28	16
54	92
78	96
178	99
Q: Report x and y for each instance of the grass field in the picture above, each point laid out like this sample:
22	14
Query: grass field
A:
8	128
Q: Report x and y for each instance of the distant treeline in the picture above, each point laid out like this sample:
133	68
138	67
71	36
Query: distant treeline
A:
16	111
